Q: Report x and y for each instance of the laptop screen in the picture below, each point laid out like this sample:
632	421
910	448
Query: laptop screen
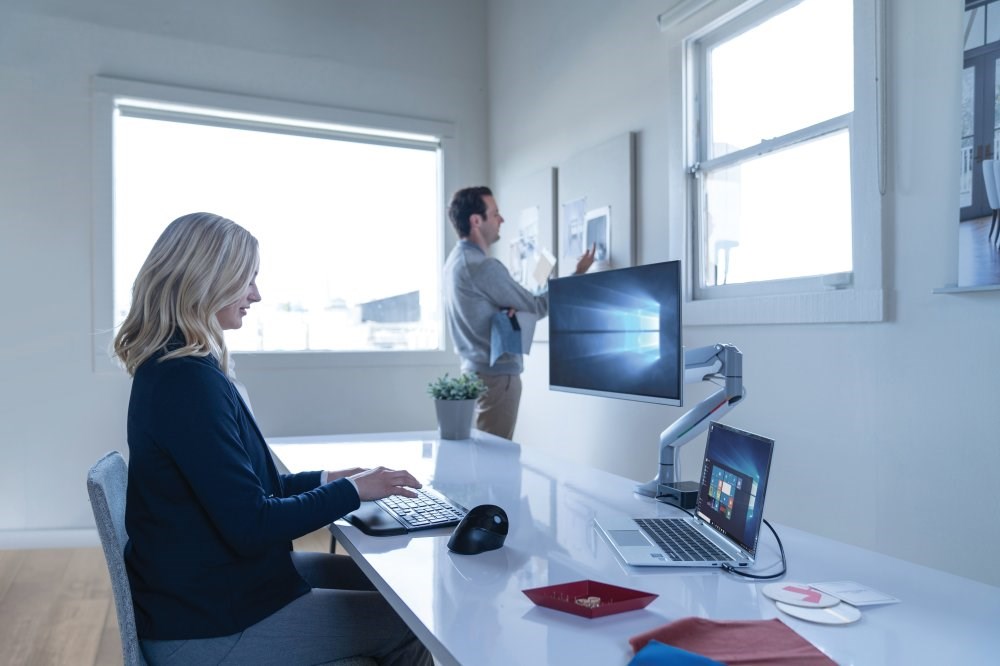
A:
733	483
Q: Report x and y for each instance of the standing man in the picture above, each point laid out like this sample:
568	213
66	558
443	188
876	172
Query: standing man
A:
477	286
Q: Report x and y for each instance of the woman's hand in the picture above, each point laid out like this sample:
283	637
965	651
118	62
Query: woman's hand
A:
381	482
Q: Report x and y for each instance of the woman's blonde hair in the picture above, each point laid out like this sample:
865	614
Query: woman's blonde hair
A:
200	264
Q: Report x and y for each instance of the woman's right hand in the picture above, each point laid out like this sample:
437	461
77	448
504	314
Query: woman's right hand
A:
380	482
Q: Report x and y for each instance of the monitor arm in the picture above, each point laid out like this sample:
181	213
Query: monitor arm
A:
701	364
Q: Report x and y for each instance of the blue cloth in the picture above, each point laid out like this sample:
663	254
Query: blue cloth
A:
209	519
504	337
656	653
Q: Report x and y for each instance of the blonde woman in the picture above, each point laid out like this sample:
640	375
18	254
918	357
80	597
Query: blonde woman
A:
210	520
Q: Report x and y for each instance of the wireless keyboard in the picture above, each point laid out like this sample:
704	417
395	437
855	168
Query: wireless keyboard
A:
400	515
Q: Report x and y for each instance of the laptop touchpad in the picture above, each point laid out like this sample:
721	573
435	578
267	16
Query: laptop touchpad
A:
628	537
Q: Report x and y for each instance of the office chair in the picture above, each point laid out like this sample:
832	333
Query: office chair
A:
107	481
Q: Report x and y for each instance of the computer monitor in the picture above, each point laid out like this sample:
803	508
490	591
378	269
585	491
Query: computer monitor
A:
617	333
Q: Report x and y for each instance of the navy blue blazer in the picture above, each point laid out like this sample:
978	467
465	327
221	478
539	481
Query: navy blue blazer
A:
210	521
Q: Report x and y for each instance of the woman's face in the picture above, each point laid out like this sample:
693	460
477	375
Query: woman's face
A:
231	316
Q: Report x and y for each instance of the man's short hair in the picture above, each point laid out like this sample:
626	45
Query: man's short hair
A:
464	204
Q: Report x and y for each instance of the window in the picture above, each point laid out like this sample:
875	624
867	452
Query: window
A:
349	215
980	110
784	174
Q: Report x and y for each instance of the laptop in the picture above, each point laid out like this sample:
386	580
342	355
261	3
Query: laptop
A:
728	512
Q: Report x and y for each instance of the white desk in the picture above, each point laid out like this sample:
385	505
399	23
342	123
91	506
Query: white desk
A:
470	609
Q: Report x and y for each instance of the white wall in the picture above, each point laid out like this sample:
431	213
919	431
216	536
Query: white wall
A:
887	435
57	415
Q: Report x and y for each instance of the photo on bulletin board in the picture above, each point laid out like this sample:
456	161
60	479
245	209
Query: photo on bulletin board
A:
592	184
597	226
524	247
573	231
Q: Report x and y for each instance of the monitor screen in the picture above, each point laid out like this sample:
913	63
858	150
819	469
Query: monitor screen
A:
617	333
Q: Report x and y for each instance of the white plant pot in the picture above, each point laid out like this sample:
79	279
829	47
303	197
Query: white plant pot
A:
455	418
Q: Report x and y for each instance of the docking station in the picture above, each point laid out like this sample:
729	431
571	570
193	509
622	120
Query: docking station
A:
680	493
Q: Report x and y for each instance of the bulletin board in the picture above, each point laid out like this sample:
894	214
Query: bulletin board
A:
596	194
528	235
527	205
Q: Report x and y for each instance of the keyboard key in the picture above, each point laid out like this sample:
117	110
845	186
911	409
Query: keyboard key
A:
680	540
428	510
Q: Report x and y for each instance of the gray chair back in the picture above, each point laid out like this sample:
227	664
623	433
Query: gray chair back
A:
106	484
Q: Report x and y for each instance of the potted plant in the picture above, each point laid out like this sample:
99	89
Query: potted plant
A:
455	402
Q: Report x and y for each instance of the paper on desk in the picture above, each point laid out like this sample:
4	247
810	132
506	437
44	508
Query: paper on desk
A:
511	335
853	593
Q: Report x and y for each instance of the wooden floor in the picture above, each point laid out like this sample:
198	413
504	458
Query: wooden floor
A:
56	605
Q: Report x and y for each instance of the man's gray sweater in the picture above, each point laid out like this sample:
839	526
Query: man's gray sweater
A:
476	287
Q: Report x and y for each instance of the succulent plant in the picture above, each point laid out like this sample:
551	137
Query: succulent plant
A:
464	387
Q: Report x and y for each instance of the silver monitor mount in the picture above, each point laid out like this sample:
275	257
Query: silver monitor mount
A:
709	363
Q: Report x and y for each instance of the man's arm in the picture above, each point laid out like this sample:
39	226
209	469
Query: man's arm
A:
505	292
586	260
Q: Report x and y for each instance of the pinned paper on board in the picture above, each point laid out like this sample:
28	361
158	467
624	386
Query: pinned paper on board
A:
531	262
571	235
598	233
524	247
544	266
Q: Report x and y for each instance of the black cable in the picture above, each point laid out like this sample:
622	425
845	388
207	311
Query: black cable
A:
733	570
784	564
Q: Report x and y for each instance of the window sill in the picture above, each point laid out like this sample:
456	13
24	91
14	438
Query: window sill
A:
253	361
834	306
332	359
953	289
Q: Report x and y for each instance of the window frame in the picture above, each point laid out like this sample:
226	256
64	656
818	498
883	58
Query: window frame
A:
108	94
856	296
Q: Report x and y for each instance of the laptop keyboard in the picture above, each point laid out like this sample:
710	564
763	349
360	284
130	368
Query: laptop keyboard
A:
680	540
427	510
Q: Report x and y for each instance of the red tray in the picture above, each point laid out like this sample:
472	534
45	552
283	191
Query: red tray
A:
588	598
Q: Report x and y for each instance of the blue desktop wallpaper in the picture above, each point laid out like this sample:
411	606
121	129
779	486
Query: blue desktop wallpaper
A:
735	474
618	332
